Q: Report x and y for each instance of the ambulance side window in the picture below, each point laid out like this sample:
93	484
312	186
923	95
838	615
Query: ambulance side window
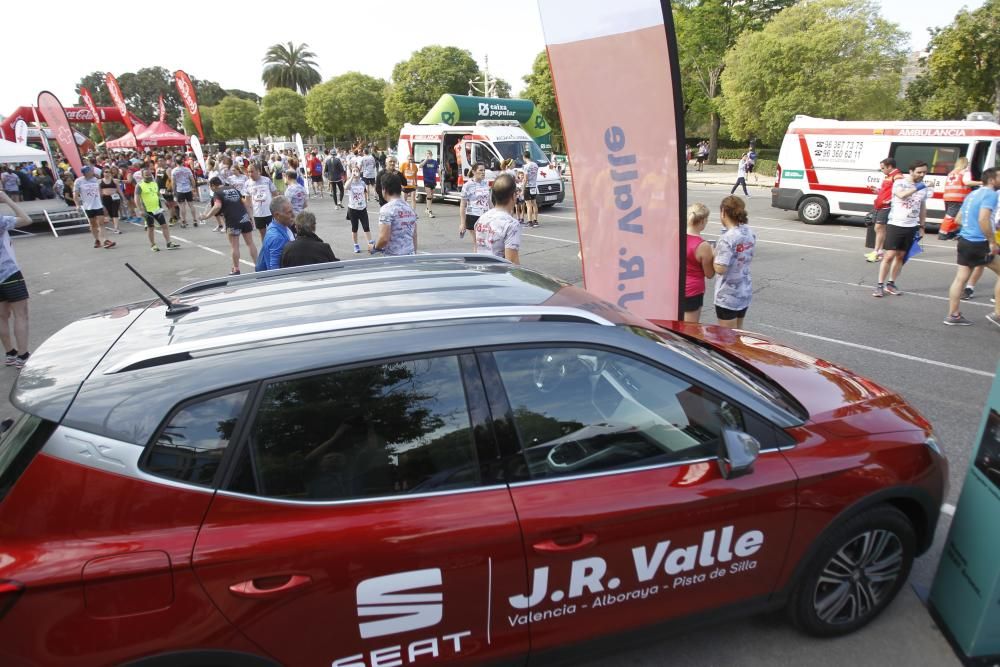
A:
420	152
940	158
996	155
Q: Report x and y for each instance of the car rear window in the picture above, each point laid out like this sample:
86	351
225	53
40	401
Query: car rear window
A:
191	445
19	443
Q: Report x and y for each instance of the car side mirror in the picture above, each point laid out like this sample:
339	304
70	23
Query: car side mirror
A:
738	452
494	165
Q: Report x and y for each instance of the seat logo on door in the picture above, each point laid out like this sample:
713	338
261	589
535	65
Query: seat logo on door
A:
392	598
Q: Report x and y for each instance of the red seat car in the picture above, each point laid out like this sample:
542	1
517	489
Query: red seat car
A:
470	463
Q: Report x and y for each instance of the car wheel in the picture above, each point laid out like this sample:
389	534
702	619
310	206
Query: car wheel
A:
856	573
814	210
421	199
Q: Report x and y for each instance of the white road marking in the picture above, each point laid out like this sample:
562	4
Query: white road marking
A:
948	509
925	296
47	291
561	217
908	357
849	237
550	238
797	245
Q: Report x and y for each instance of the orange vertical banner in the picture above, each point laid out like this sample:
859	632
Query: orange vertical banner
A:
189	98
617	83
119	100
88	100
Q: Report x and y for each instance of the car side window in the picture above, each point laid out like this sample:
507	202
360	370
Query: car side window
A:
190	447
581	410
388	429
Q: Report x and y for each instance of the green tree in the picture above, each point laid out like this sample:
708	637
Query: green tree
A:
207	122
706	31
962	71
418	82
503	88
290	66
243	95
142	91
235	118
829	58
350	105
209	92
282	113
539	89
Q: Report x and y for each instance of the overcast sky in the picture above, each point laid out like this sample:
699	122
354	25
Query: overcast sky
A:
225	42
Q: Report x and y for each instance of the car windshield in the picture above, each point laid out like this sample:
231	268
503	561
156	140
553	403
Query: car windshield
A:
748	378
514	150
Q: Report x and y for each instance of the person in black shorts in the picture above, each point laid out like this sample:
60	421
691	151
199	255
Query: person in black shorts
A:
977	246
13	290
229	201
110	198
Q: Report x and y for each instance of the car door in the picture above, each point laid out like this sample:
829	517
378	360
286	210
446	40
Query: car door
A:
365	522
626	516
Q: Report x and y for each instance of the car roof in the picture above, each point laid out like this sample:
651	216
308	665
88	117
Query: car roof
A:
253	310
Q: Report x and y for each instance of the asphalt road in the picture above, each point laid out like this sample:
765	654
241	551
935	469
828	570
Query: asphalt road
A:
812	290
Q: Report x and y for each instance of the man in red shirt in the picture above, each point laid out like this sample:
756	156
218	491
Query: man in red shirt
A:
314	167
883	202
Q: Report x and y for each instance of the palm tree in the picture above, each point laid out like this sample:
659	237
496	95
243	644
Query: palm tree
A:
290	66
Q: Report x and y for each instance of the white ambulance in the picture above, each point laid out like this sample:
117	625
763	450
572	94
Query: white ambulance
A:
828	167
488	141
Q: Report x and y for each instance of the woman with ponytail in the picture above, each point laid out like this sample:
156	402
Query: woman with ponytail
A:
733	253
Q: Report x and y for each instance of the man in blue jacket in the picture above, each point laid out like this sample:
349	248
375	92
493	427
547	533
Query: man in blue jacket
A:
279	233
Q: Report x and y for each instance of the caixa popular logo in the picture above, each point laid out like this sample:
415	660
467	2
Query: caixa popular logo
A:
484	109
402	602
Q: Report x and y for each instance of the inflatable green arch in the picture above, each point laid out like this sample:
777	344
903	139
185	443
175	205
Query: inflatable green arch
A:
466	110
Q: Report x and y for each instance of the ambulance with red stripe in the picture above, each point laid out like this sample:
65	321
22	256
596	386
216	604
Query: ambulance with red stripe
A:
827	167
458	147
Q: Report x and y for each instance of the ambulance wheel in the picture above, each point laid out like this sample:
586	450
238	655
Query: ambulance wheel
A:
857	571
421	199
814	210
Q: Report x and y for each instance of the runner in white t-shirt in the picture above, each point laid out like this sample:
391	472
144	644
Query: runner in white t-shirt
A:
369	169
357	207
295	193
905	225
259	191
87	195
497	232
531	189
475	201
182	179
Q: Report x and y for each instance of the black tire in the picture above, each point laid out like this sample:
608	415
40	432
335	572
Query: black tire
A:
814	210
836	593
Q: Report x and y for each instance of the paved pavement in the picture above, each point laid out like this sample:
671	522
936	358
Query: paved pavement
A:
811	290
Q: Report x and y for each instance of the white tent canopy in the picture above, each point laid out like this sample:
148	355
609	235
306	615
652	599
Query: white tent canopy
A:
11	152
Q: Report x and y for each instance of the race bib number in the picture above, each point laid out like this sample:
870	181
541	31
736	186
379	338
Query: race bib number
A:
115	197
259	195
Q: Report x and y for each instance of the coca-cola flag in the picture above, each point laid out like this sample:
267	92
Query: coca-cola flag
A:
163	110
118	99
88	99
55	117
186	90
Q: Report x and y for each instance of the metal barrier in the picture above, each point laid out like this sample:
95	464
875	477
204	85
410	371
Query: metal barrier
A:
64	220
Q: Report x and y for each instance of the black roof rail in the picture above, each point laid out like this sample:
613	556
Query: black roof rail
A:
335	268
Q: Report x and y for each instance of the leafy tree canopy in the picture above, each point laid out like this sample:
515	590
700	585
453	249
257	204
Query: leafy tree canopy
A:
827	58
